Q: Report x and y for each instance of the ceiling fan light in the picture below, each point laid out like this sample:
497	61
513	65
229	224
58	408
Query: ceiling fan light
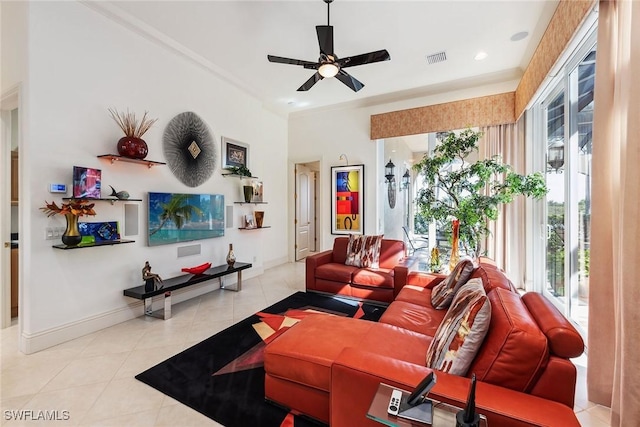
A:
328	70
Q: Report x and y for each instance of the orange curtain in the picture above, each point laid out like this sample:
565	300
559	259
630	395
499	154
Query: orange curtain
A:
505	243
613	374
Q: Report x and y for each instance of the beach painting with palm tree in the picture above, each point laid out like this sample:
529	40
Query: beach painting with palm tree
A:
175	217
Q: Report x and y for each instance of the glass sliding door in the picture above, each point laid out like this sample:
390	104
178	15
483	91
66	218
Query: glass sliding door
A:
582	80
554	109
567	113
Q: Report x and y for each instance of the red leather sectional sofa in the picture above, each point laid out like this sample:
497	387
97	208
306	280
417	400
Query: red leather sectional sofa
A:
329	367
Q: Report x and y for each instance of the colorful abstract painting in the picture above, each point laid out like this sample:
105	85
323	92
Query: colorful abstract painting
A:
347	204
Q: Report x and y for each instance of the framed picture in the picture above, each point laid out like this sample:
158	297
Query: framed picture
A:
347	199
249	221
257	190
234	153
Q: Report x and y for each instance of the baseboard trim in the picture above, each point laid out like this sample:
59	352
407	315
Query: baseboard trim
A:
38	341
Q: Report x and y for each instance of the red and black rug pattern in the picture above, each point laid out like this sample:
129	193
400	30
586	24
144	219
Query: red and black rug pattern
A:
223	376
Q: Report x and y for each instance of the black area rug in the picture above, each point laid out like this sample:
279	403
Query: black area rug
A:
223	376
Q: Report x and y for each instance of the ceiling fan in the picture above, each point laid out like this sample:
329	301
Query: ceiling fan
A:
329	65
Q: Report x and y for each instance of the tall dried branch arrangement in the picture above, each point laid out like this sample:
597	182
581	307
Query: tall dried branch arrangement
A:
129	124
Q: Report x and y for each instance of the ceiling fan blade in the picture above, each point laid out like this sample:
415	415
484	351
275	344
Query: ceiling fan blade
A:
325	38
365	58
282	60
349	80
309	83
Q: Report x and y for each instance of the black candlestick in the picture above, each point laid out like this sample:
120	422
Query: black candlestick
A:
468	417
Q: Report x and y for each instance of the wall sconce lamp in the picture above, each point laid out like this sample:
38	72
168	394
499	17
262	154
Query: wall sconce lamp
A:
555	155
390	175
406	180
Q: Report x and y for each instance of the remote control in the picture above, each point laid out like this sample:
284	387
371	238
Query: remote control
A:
394	402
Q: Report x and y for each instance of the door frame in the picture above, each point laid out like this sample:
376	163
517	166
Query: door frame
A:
293	184
9	100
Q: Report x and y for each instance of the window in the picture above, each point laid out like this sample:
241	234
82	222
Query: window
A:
563	120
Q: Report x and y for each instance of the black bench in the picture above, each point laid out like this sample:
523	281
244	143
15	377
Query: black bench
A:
179	282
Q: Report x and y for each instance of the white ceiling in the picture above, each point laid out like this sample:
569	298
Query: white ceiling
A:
233	38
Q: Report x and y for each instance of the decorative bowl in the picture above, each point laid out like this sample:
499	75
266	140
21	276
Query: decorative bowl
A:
198	269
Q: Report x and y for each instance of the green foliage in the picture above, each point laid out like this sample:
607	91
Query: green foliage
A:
470	192
240	170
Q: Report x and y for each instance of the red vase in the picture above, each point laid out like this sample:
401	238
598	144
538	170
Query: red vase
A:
135	148
455	235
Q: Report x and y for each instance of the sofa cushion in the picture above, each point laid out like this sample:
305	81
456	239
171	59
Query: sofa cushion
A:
443	293
462	330
492	277
515	350
416	295
413	317
377	278
336	272
363	251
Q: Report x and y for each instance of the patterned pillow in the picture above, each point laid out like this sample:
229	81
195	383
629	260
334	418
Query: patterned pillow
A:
443	292
462	330
363	251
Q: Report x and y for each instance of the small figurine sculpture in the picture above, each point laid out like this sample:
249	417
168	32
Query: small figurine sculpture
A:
150	279
120	195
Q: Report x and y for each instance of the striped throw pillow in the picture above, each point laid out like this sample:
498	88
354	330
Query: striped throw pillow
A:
462	330
443	293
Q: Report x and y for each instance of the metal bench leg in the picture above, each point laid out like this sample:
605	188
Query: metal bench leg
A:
167	305
148	306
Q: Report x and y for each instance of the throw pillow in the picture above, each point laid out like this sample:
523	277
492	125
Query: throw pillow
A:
462	330
443	293
363	251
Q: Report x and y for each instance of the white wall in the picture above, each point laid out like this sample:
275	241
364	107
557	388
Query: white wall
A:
324	134
13	31
81	63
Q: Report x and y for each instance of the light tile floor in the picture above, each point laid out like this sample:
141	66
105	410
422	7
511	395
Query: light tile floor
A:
92	377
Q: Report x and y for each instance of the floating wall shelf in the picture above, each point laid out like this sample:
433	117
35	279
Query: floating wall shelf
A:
253	228
102	200
250	203
235	175
93	244
116	158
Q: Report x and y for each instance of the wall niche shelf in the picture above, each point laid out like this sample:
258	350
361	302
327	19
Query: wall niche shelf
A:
117	158
102	199
94	244
235	175
254	228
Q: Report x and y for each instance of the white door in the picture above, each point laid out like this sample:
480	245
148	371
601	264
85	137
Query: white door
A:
303	211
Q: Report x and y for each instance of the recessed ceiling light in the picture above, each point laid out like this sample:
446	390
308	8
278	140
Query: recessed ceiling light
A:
519	36
480	56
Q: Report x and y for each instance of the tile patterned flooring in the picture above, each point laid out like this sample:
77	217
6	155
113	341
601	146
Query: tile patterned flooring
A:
92	377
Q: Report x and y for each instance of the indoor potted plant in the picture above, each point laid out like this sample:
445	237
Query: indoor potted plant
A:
469	192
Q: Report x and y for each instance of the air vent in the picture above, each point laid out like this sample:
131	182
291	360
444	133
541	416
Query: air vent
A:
437	57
